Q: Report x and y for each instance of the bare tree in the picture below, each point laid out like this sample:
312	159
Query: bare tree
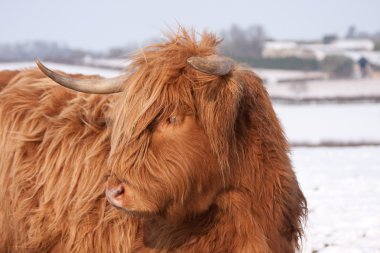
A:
243	43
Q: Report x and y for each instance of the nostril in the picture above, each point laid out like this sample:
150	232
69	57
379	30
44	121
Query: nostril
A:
115	192
119	191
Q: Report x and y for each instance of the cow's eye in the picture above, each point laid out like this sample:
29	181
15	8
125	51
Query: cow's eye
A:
172	120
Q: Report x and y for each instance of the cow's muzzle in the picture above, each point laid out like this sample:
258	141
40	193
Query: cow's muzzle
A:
115	195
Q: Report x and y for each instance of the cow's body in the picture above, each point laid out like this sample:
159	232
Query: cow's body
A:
45	129
59	148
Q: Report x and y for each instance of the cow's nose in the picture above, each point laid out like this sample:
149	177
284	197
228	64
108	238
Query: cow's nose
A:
115	195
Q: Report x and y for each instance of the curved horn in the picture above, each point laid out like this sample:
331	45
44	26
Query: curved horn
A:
94	86
213	64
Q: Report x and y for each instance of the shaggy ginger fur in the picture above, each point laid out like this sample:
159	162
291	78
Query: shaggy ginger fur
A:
202	159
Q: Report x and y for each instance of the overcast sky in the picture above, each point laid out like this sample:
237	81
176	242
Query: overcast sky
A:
100	24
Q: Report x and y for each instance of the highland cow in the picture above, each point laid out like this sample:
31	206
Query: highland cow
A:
181	153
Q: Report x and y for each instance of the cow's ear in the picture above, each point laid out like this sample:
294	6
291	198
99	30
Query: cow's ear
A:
218	103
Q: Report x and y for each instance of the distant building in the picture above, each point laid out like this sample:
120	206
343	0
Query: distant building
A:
283	49
351	48
353	44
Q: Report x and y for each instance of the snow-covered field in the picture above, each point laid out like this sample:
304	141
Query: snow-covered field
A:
327	89
342	185
274	76
331	123
73	69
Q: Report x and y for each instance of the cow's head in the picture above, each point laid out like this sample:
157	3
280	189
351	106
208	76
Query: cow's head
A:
174	130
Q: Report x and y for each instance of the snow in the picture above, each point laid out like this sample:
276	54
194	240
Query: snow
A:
115	63
73	69
339	123
343	192
323	89
342	185
274	76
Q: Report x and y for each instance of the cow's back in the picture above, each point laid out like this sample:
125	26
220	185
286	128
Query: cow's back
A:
54	146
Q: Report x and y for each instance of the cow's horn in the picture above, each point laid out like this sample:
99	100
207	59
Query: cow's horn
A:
213	64
87	85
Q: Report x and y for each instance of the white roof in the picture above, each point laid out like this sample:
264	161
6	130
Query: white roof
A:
278	45
354	44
